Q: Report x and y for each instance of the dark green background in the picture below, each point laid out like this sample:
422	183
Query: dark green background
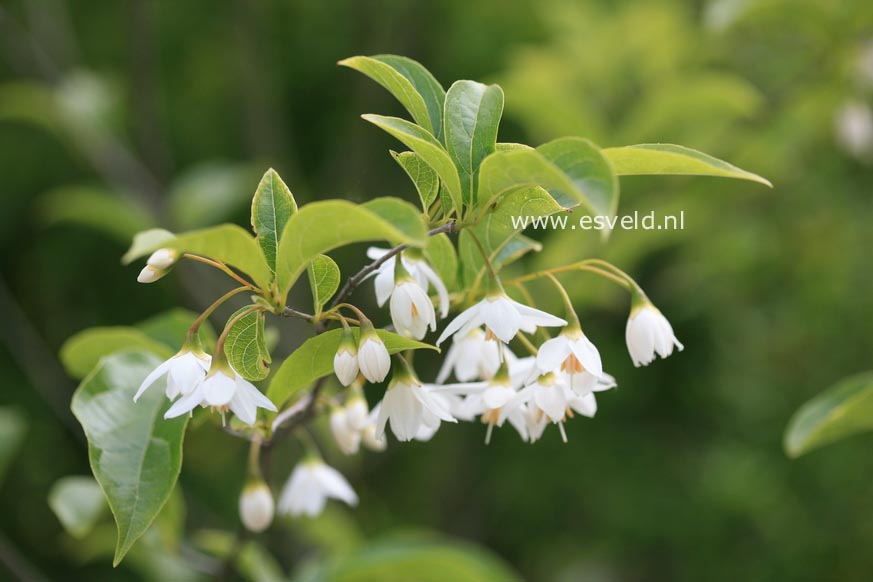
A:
681	476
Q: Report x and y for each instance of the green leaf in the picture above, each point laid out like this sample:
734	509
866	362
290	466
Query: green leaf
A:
572	170
161	334
272	206
12	430
324	280
93	208
322	226
840	411
397	84
496	230
472	115
423	560
78	503
227	243
314	359
656	158
440	253
135	454
81	353
426	181
245	347
425	145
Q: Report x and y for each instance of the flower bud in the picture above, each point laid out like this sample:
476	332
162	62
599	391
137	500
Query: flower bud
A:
256	506
150	274
373	357
357	413
345	362
648	333
163	259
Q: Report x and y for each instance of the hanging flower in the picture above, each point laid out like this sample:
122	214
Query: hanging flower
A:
184	371
158	265
417	268
256	506
472	356
571	352
373	357
311	484
502	316
347	438
345	361
407	405
411	310
648	332
222	390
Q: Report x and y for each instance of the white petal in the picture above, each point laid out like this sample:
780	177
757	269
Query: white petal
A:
186	404
384	282
438	284
162	369
218	389
501	317
496	396
335	485
553	353
551	400
460	321
537	317
587	354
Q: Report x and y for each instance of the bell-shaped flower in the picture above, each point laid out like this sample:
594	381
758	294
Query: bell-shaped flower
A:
373	358
345	361
163	259
309	487
184	371
648	332
570	352
407	405
411	310
471	357
502	317
256	506
347	438
418	269
150	274
358	414
222	390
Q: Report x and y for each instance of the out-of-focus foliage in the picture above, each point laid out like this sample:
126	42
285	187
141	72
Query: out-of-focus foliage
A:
115	117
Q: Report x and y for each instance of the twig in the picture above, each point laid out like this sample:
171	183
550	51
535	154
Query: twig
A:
356	279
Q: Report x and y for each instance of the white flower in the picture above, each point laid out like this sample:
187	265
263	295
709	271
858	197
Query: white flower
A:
224	390
411	310
417	268
501	316
407	405
648	332
184	371
357	414
373	357
570	352
345	361
311	484
471	357
368	437
347	438
550	395
150	274
495	402
256	506
163	259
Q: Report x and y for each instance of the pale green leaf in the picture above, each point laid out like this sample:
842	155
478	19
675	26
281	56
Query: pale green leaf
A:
170	327
673	159
397	84
420	558
81	353
227	243
245	347
324	280
497	230
314	359
840	411
472	116
425	179
425	145
322	226
272	206
78	503
135	454
572	170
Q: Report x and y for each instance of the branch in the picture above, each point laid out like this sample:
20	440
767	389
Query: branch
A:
356	279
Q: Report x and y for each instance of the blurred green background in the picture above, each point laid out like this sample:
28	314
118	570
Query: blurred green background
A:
116	116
